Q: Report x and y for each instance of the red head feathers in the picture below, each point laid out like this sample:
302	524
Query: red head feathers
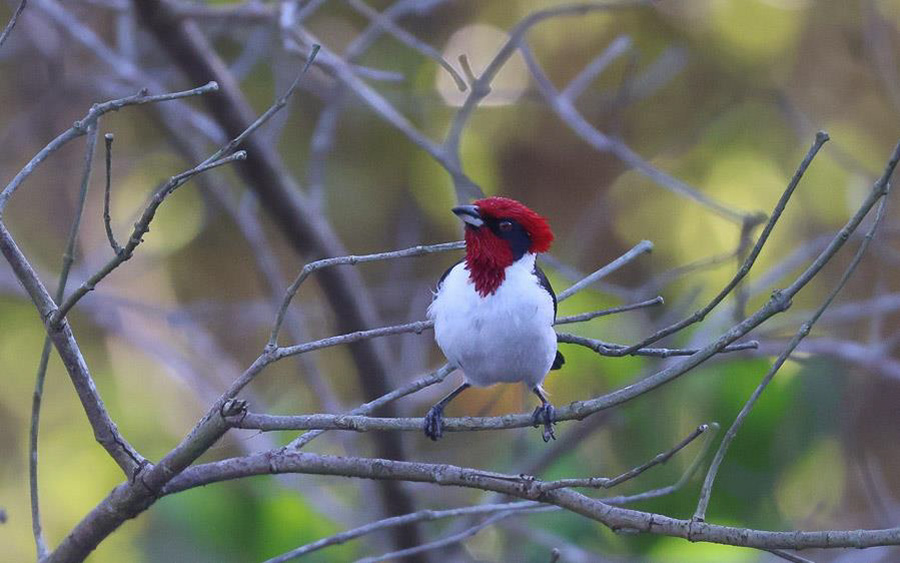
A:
500	231
535	225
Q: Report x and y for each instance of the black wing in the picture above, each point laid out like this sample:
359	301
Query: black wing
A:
455	264
559	360
545	283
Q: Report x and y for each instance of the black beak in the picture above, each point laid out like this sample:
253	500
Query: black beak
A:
469	214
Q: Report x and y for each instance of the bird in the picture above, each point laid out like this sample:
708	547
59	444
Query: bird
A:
494	310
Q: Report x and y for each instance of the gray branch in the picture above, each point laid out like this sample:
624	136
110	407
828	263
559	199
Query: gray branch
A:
615	518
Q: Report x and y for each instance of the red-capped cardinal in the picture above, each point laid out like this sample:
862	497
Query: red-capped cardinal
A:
494	311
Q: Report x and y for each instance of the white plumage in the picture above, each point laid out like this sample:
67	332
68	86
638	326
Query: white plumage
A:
503	337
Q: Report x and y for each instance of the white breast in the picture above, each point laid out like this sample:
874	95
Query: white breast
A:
505	337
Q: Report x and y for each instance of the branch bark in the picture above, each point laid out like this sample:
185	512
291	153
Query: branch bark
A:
615	518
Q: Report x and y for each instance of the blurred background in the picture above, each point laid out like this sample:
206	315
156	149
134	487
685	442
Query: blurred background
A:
724	96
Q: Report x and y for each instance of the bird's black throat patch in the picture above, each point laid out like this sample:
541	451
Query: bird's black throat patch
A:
515	234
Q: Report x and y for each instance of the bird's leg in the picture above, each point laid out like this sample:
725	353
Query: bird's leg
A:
434	420
544	414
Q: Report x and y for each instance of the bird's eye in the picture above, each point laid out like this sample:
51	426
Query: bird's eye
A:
505	226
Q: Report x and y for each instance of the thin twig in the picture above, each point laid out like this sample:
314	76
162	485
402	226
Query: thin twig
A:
569	114
640	248
659	281
617	47
803	332
283	352
125	68
352	260
105	431
449	540
608	483
787	556
37	397
821	139
106	195
244	215
141	227
432	378
615	350
273	109
741	295
81	126
408	39
12	22
467	70
384	109
420	516
685	477
481	86
580	318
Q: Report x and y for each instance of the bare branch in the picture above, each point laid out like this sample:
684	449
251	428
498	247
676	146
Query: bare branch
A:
661	280
125	69
449	540
408	39
105	430
619	46
81	127
420	516
12	22
792	557
567	112
266	115
351	260
617	350
608	483
448	475
638	249
803	332
481	86
361	423
432	378
137	495
284	352
141	227
106	195
37	397
821	139
580	318
685	477
382	107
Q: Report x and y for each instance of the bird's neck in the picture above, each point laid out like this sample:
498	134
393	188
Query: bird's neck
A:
488	261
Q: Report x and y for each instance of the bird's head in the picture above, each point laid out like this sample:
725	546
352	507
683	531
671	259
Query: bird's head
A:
500	231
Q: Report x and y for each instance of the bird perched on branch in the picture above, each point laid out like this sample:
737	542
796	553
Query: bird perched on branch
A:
494	311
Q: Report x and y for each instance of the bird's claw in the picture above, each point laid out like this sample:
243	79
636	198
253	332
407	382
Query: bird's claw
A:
545	414
434	423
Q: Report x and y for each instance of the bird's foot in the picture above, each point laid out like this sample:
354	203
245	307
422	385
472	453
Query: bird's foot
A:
546	415
434	422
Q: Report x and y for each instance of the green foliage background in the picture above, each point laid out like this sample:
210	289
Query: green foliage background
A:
759	77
